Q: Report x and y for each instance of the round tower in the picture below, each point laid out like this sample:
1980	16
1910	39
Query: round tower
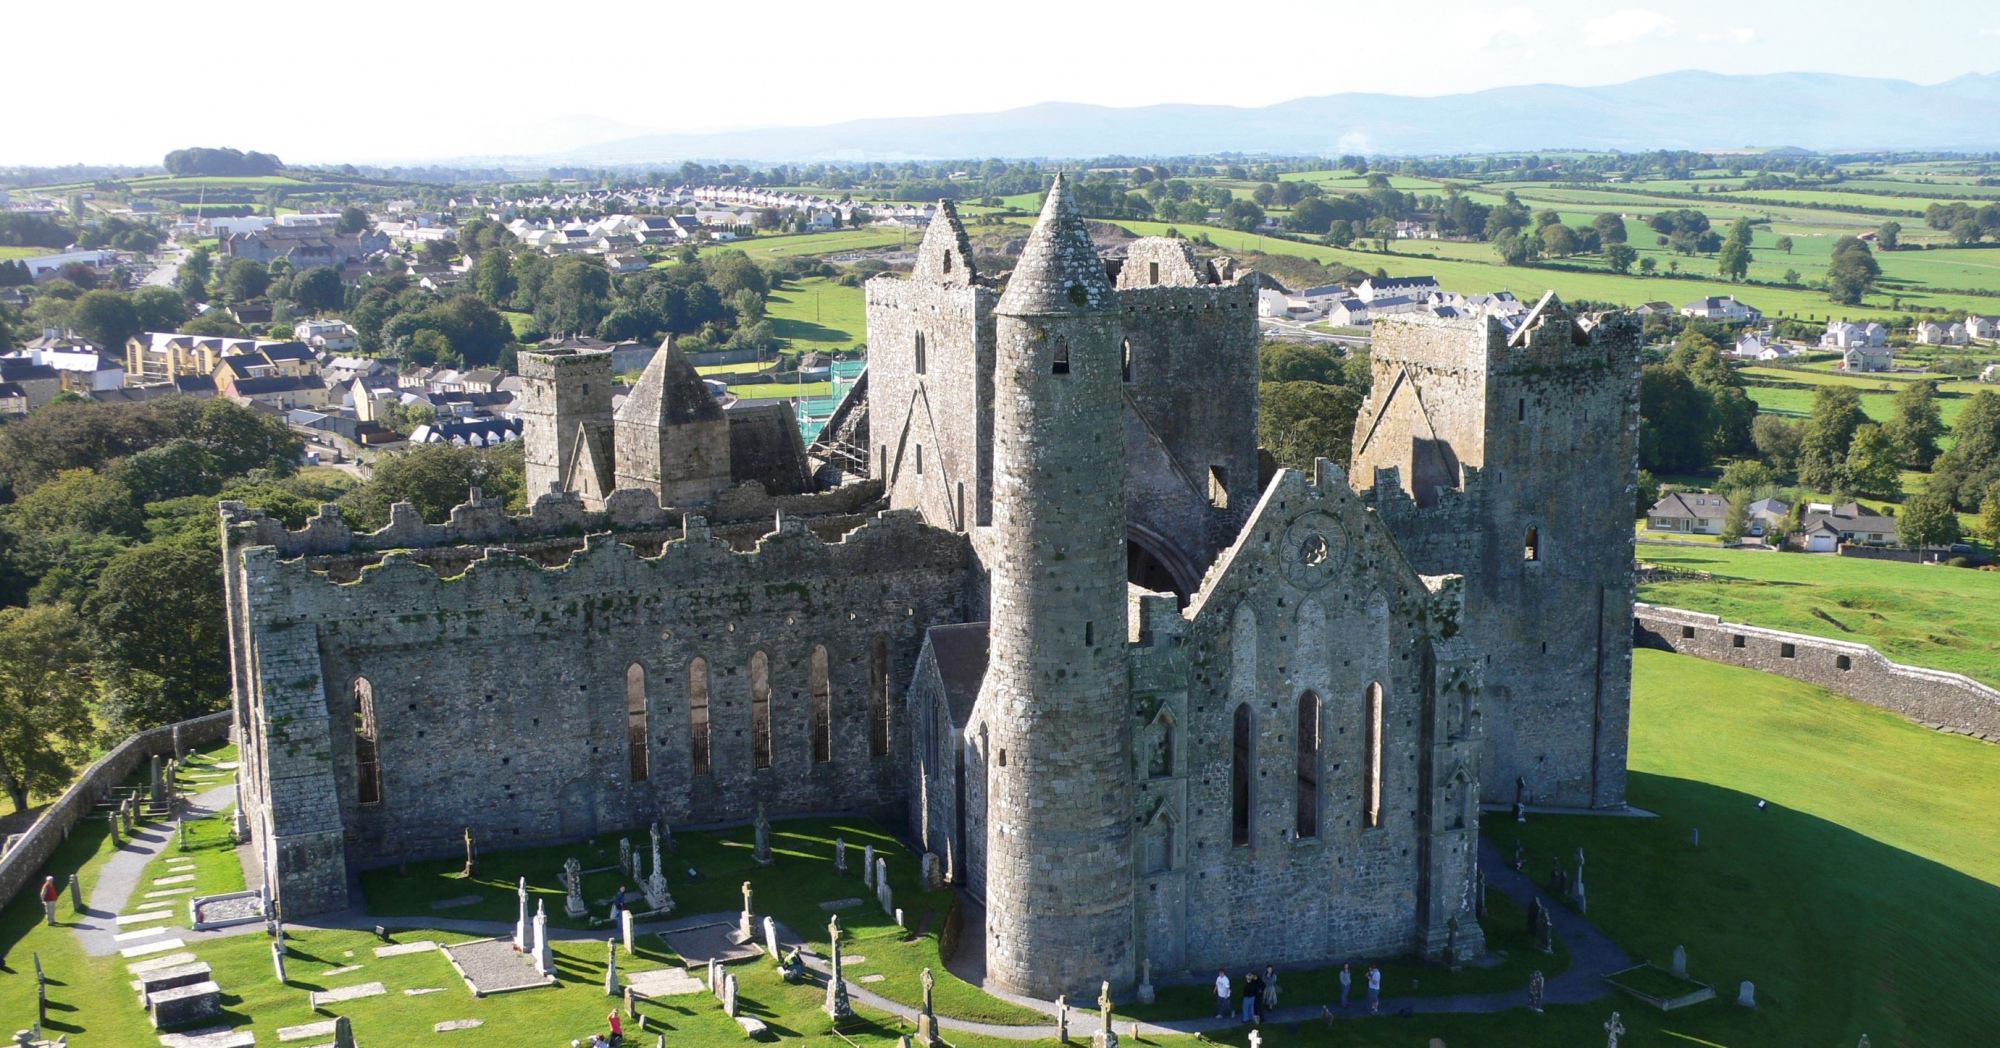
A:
1059	812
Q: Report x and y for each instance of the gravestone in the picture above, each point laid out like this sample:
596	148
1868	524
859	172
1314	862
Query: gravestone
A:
1681	961
771	937
884	896
1062	1018
573	881
1612	1031
932	880
836	1005
666	834
471	856
545	962
625	856
625	922
715	977
1256	1039
840	856
1697	837
761	852
868	866
1145	990
75	894
610	967
1576	893
729	995
746	925
1536	988
927	1028
1545	931
1106	1037
343	1032
278	961
159	781
1746	995
523	931
632	1006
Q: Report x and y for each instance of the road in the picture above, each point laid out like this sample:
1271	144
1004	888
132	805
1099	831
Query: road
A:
1272	327
168	271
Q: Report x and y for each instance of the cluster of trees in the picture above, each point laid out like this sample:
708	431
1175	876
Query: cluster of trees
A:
1692	408
19	230
1965	223
1307	397
203	161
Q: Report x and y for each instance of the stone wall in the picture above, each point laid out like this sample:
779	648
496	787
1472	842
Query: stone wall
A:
1945	701
932	428
23	863
502	698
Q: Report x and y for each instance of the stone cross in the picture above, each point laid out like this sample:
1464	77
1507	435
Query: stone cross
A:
523	928
1536	988
746	925
1746	994
1062	1018
573	880
544	960
729	995
1579	870
625	856
1681	961
343	1032
1106	1037
1864	1042
927	1028
1256	1039
771	937
868	866
836	983
625	919
1612	1031
471	855
278	961
840	856
1146	980
610	967
761	853
656	849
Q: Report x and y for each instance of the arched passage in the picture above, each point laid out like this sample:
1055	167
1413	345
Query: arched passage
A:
1157	564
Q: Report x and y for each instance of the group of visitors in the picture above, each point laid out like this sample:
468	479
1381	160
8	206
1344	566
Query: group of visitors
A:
598	1040
1258	995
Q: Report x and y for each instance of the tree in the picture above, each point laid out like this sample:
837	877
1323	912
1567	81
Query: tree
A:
1826	437
1647	492
1968	470
157	612
1777	441
1558	241
45	700
1783	244
1242	215
245	280
1610	227
317	289
77	500
1888	234
1791	277
1915	424
1736	520
1927	520
1673	420
106	318
1745	479
494	278
352	220
1620	257
1873	465
1852	272
1965	232
159	309
434	478
1311	216
1264	194
1514	249
575	296
1734	261
178	468
1989	518
1303	421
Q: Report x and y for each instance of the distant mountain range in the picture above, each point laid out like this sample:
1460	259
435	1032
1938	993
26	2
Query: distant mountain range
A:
1685	110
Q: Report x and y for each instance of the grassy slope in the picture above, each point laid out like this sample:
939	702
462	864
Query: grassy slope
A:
817	313
1942	617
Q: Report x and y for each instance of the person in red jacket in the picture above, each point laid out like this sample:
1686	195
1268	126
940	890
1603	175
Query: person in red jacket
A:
50	893
617	1029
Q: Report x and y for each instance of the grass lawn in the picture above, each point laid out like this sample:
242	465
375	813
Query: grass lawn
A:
8	252
794	245
817	313
520	323
1926	615
781	390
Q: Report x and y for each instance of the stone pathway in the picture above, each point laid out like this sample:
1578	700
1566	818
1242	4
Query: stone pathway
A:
121	875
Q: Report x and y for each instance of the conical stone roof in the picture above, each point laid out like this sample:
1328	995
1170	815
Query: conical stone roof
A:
1059	271
669	393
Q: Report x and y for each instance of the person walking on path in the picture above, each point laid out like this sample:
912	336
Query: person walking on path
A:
1346	984
1374	989
1267	1002
50	893
1253	991
617	903
1223	1000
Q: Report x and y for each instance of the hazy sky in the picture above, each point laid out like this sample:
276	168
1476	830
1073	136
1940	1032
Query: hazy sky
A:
371	81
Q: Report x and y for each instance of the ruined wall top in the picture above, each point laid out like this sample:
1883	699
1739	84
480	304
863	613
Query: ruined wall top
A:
945	256
1162	262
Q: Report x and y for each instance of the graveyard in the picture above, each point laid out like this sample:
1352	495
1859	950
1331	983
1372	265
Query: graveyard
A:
1853	901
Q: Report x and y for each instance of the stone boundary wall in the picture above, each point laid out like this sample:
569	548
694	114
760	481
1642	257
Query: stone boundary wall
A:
23	863
1934	698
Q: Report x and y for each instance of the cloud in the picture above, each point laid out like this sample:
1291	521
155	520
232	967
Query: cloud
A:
1625	26
1505	28
1741	34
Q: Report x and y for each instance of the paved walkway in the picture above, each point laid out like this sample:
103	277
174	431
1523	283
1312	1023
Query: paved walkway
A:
124	872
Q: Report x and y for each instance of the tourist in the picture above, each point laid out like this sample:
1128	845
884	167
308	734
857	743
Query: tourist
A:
617	1029
1253	988
1268	1001
50	893
617	903
1374	989
1223	1001
1346	984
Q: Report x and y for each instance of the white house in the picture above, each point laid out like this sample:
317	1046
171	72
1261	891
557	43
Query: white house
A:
1937	333
1724	307
1867	358
1982	327
1843	334
332	336
1392	287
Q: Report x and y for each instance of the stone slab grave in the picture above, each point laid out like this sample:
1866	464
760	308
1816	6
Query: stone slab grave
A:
226	910
421	990
143	933
752	1027
209	1039
701	943
839	904
300	1033
181	878
345	993
148	949
173	960
663	982
158	979
457	1024
401	948
169	891
457	901
495	966
185	1004
138	918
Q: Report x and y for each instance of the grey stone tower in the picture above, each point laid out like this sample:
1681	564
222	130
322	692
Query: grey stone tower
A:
564	393
672	438
1059	855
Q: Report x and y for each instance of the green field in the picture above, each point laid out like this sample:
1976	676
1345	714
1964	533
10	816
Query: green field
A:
9	252
797	245
1926	615
818	313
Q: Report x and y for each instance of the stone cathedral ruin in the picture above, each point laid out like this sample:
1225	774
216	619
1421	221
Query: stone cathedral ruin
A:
1239	714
